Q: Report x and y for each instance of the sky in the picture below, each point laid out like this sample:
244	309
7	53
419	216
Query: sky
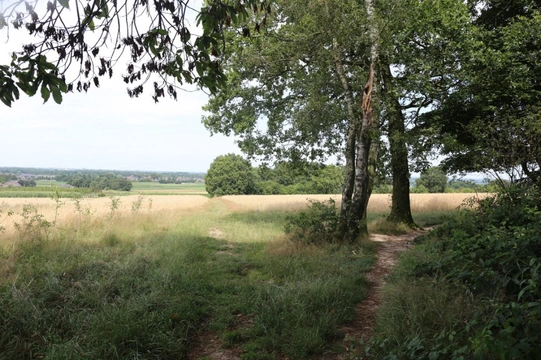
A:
106	129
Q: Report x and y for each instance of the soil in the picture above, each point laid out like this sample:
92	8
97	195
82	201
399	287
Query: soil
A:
389	249
208	345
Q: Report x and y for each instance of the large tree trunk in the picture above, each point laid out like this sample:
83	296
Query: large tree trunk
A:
400	207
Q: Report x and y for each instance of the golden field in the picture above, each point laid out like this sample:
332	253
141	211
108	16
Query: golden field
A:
172	206
379	203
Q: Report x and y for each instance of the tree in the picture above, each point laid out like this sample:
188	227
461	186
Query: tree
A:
78	42
311	86
230	175
434	179
328	180
490	121
417	63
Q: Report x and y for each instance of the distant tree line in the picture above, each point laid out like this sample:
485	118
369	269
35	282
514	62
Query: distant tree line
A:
7	177
50	174
97	182
435	180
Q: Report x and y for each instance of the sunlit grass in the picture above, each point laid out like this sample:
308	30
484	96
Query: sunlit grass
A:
117	283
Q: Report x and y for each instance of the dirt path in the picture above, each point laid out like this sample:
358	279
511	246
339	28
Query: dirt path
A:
390	247
208	345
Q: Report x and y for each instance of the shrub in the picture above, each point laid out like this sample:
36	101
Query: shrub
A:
315	225
491	254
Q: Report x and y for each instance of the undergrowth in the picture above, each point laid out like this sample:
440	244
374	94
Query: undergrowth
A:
471	288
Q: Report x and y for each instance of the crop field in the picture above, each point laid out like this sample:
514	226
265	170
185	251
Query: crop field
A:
158	276
50	188
153	188
67	209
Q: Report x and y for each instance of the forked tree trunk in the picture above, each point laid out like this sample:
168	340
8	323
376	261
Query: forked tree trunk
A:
357	190
357	220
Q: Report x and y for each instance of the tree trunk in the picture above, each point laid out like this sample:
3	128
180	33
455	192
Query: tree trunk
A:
400	207
357	220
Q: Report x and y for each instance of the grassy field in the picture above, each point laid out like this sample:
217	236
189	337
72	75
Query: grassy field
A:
153	188
49	188
155	277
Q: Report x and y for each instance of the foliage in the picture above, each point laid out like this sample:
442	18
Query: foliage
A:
433	179
90	38
286	79
296	178
7	177
319	224
491	254
489	121
230	175
97	182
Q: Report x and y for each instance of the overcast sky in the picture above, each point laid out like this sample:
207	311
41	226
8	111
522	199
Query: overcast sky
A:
105	129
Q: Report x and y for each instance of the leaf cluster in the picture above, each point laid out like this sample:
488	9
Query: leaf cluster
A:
92	36
283	98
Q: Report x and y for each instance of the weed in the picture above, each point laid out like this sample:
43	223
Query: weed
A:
113	206
33	225
136	204
58	203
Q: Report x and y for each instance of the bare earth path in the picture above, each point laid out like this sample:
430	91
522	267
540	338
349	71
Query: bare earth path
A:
208	345
390	247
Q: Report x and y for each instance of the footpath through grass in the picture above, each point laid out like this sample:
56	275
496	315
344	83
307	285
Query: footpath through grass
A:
146	286
471	289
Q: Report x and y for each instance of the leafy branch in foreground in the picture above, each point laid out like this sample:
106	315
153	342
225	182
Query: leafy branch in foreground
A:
75	43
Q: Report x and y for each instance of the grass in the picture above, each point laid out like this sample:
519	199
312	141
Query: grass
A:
154	188
148	284
151	276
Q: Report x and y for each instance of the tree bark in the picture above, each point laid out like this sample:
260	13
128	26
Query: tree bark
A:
357	220
400	207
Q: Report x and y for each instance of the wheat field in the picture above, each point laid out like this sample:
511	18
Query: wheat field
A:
379	203
67	209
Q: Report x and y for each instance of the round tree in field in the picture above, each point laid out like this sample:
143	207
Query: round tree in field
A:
434	179
230	175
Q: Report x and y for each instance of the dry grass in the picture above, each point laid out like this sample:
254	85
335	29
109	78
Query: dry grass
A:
98	207
379	203
164	211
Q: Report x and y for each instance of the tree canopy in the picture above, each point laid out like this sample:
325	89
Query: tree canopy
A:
490	119
434	179
230	175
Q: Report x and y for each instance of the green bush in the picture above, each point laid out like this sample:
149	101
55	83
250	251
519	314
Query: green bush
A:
492	255
316	225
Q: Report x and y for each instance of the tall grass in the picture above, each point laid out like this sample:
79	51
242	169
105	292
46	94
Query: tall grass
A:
127	281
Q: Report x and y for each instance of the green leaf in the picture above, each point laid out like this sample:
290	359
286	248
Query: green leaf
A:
91	25
45	93
64	3
57	95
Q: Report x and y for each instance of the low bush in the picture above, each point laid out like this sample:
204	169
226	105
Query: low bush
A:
318	224
489	261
